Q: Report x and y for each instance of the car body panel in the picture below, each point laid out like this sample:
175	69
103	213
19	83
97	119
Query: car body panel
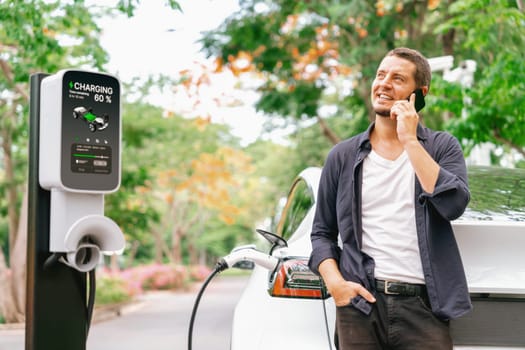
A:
494	263
258	318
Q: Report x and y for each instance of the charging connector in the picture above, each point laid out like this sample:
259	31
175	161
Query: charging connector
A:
249	253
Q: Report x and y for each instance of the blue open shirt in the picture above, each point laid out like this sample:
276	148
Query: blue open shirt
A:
338	211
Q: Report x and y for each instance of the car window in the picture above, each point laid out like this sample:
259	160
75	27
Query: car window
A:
299	202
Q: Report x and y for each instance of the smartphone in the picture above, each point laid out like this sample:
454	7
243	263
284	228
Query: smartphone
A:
420	99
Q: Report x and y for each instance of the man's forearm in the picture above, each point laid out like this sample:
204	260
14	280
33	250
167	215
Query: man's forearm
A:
426	168
330	273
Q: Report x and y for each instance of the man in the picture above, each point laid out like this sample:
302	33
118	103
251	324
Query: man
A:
390	193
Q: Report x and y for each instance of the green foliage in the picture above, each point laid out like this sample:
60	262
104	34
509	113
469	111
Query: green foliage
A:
299	102
134	220
495	113
482	24
151	143
224	238
269	159
288	35
129	6
47	36
4	237
493	33
111	290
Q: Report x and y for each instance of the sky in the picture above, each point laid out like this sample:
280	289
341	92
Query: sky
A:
159	40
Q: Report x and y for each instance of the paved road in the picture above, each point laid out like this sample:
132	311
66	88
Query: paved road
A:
160	321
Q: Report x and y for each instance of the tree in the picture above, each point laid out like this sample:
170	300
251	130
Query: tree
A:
317	53
205	191
160	146
491	110
313	54
185	182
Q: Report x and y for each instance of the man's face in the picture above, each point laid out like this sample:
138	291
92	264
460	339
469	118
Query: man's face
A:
394	81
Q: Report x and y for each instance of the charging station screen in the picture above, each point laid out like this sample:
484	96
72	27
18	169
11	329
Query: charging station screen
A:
90	131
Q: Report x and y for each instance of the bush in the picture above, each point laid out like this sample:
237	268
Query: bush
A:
163	277
113	287
199	273
111	290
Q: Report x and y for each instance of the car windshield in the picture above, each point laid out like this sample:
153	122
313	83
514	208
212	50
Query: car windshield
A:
496	194
300	200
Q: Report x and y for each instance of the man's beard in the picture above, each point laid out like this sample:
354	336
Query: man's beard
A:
382	112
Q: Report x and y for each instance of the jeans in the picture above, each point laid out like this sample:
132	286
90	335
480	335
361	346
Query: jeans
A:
396	322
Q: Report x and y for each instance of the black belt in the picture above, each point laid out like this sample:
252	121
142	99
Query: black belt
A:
401	288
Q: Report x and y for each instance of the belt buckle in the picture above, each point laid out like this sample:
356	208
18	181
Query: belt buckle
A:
386	291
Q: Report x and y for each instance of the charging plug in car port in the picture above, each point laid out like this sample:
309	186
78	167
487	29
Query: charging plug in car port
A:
294	279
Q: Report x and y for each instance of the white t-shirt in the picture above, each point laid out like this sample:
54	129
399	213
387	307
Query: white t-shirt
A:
389	223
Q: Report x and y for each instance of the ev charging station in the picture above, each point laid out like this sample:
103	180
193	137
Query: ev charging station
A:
74	159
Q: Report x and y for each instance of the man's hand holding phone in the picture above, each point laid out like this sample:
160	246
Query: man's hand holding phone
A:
404	112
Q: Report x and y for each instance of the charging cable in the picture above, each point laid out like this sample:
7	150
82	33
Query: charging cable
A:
323	297
91	299
245	253
218	268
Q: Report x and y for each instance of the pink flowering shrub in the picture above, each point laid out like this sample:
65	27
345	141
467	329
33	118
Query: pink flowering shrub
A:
156	277
199	273
163	277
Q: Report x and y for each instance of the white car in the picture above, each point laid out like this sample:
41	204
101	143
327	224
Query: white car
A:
289	309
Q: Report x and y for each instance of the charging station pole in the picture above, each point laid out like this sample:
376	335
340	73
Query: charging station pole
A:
56	316
74	159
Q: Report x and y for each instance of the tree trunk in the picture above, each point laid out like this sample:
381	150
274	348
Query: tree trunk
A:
157	238
113	263
132	253
327	132
12	281
8	303
162	249
497	135
176	248
18	259
11	190
447	40
193	254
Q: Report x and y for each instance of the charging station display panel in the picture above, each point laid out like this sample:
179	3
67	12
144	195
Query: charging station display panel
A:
90	131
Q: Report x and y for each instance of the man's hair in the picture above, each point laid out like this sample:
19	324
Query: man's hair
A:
422	76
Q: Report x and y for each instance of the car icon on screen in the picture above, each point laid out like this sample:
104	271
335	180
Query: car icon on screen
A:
94	122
